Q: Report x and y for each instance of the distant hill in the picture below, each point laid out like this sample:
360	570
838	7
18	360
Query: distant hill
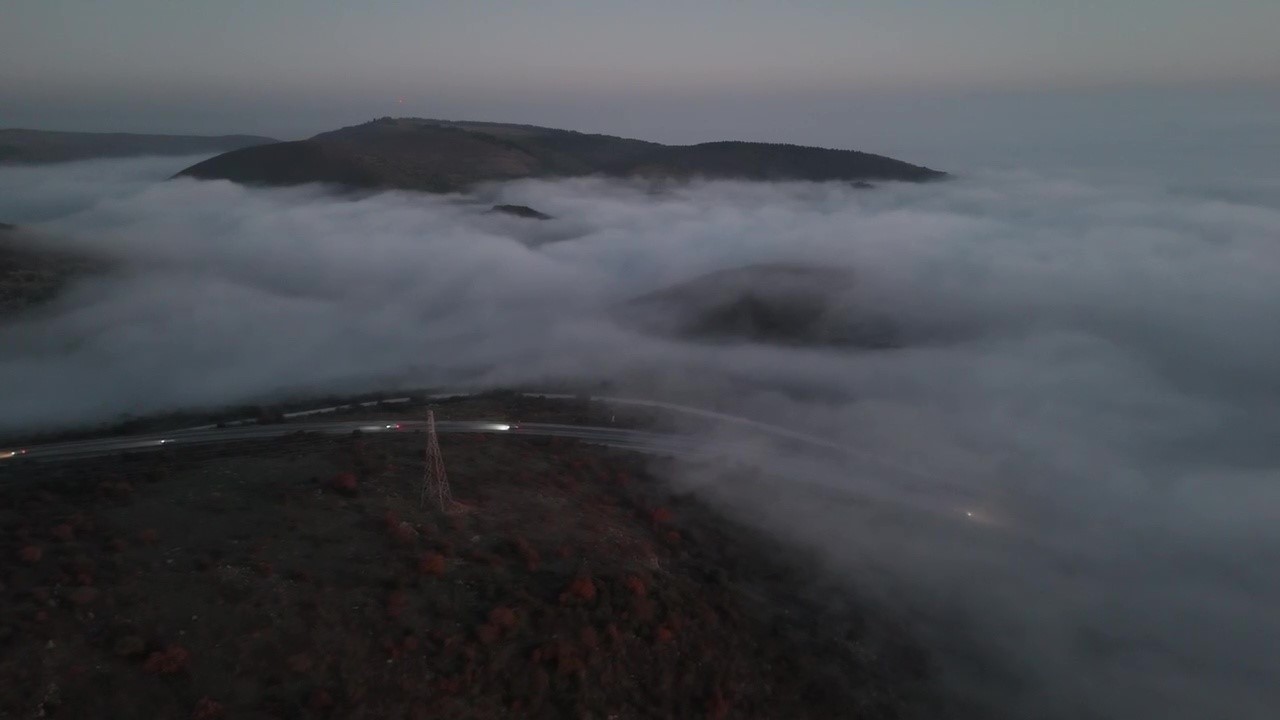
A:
775	304
520	211
46	146
450	156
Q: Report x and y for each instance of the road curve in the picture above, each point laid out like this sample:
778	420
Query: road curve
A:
648	442
942	496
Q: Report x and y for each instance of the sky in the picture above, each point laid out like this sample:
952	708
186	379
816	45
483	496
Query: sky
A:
827	72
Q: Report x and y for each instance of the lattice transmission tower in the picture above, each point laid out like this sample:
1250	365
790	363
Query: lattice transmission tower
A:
434	480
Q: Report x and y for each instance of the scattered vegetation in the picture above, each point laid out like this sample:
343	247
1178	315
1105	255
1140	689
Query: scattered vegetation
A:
301	578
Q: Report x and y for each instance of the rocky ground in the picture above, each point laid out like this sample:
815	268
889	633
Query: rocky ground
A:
304	578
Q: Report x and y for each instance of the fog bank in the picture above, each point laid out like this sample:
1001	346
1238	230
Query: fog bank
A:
1090	518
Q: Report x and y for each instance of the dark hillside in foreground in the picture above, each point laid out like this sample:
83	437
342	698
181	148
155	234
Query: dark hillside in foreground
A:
47	146
302	577
452	156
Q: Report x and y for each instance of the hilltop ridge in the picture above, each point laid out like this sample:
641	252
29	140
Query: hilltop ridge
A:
454	155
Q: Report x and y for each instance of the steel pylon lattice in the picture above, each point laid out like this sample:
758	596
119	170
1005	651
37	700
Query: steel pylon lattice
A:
434	479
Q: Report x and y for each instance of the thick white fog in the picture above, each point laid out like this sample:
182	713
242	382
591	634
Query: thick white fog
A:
1102	393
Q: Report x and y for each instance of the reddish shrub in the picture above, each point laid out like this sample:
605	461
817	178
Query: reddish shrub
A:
393	649
503	617
397	603
31	554
449	685
300	663
569	663
84	595
81	521
148	536
718	706
208	709
404	533
636	586
589	637
527	554
661	516
643	608
345	483
582	588
118	545
169	661
431	564
664	635
319	700
672	537
84	578
63	532
391	519
488	633
541	682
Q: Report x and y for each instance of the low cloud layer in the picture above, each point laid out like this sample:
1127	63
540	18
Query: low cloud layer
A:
1089	521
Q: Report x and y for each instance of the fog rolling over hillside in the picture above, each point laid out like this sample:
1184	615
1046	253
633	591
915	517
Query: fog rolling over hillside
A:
772	304
1068	485
451	156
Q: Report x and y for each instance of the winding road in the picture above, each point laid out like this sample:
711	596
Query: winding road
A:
910	486
657	443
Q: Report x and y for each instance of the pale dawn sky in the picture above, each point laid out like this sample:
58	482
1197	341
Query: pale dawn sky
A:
661	69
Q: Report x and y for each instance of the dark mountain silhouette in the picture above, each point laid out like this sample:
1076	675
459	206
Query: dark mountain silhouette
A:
776	304
521	211
450	156
46	146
